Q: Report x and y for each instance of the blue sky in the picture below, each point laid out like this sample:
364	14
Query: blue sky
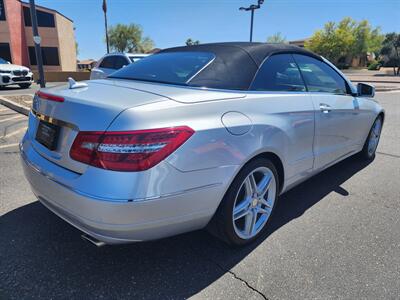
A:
171	22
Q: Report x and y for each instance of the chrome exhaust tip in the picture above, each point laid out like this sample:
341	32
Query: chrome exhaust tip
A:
92	240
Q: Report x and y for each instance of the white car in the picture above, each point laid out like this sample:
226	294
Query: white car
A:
112	62
15	74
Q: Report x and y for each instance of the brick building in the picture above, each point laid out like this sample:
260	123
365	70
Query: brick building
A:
16	38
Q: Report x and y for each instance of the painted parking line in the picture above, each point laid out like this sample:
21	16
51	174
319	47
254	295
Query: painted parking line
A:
3	109
11	118
15	132
9	146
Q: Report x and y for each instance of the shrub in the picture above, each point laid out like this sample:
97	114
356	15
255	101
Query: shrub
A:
374	65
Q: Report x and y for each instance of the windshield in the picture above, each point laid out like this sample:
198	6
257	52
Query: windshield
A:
3	61
171	67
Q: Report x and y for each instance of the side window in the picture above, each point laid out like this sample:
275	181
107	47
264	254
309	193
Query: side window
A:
278	73
319	76
108	62
120	61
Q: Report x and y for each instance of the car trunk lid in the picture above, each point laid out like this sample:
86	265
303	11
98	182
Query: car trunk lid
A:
182	94
90	108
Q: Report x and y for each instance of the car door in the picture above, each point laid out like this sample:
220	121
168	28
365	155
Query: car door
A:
337	122
288	107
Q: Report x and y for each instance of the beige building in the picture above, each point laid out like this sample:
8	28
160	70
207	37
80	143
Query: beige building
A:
299	43
56	32
86	64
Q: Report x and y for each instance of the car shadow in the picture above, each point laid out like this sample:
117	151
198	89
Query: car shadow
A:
42	256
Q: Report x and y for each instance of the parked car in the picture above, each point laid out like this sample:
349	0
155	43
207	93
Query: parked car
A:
14	74
110	63
192	137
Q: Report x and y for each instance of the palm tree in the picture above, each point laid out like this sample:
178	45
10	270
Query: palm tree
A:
129	38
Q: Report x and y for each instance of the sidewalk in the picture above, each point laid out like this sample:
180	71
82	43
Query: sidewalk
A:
19	103
382	81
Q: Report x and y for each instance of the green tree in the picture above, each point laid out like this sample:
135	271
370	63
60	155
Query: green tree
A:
346	39
129	38
276	38
191	42
391	51
366	40
332	42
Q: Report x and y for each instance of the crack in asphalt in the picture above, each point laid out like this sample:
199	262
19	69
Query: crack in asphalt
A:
247	284
234	275
388	154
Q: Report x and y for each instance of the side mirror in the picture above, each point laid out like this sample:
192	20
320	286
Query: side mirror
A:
365	90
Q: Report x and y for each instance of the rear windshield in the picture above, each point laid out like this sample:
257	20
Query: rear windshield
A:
172	67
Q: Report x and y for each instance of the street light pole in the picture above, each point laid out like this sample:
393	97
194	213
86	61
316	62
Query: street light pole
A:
251	25
37	40
252	8
105	24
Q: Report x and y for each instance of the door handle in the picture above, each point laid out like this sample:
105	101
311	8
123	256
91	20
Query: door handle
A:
325	108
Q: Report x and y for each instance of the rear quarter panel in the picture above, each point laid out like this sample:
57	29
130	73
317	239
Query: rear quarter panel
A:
280	123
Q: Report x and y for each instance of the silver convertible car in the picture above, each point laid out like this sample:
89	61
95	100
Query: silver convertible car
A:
194	137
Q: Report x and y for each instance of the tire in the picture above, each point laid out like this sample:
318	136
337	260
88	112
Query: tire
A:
372	141
247	228
24	85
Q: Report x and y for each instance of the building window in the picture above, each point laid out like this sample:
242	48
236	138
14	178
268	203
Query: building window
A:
2	11
5	52
44	19
49	55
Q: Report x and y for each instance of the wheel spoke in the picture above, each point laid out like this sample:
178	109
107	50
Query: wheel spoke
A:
250	185
264	211
249	222
264	185
265	202
253	223
241	210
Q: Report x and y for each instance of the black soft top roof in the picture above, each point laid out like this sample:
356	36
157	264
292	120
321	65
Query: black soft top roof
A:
235	63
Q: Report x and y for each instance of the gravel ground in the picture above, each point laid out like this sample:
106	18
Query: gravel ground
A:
24	100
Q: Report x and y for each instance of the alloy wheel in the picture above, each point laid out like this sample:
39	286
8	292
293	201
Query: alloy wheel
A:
374	136
254	203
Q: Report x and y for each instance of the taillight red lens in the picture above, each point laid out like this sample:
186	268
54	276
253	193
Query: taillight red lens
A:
50	97
128	150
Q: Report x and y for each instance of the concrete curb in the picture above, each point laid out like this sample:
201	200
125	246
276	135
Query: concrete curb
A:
387	89
15	106
374	81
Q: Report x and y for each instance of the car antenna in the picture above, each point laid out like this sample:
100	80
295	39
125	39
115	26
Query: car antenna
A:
75	85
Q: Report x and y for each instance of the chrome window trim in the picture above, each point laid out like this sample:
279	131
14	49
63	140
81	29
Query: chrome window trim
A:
201	70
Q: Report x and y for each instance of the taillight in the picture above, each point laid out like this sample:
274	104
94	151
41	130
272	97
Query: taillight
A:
46	96
128	150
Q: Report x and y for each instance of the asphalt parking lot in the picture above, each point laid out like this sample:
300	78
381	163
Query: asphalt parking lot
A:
335	236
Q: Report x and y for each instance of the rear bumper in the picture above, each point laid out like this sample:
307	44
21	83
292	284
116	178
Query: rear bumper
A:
123	221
